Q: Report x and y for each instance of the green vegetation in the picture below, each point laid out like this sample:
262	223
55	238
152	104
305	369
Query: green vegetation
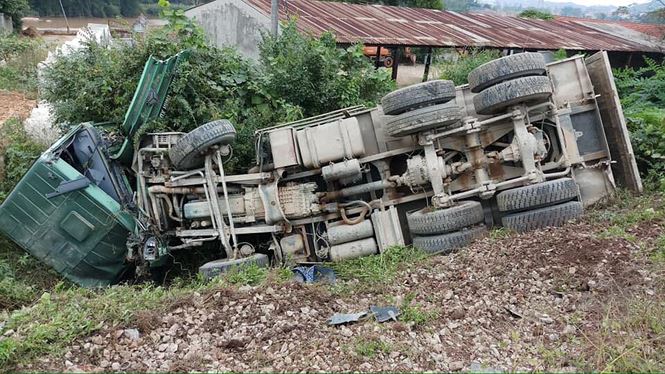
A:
17	153
250	275
616	232
536	14
374	270
458	71
414	312
60	316
500	233
15	9
21	57
630	338
328	78
215	83
369	348
642	93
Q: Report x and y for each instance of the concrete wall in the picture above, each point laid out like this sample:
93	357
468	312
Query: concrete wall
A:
6	26
232	23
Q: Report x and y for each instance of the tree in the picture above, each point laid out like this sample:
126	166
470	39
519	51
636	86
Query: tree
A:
571	11
87	8
621	12
15	9
536	14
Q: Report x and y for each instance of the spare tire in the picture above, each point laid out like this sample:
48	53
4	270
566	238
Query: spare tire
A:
429	222
527	90
447	243
424	119
417	96
555	215
506	68
537	195
189	151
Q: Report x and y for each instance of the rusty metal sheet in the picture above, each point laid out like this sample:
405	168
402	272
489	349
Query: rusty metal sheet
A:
390	25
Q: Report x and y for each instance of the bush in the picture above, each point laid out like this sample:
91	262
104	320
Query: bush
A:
642	93
315	75
98	83
536	14
21	57
17	153
458	70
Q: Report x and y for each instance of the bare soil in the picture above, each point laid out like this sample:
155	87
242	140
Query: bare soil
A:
14	104
523	302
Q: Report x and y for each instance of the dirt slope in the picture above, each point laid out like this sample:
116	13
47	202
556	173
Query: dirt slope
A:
523	302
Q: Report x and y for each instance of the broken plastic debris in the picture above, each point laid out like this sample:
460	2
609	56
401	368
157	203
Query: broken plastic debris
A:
384	313
315	273
342	318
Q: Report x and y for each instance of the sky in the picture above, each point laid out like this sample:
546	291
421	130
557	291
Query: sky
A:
602	2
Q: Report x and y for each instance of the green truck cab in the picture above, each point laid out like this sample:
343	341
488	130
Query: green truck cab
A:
74	208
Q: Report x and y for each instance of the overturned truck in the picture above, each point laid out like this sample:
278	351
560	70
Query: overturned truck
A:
524	145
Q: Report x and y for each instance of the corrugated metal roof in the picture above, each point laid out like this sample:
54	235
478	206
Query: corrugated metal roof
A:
389	25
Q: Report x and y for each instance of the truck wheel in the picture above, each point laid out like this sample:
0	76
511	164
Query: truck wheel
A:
424	119
388	62
189	151
527	90
555	215
214	268
446	243
537	195
430	222
417	96
506	68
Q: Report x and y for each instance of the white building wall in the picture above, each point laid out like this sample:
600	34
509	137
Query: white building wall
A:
232	23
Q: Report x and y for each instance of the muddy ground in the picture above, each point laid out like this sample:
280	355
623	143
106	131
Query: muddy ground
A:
508	302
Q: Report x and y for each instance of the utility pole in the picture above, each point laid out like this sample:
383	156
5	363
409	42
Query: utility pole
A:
274	17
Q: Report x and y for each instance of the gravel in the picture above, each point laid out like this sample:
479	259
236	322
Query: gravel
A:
508	304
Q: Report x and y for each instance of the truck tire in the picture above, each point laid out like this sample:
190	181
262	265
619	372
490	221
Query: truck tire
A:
506	68
555	215
537	195
441	221
447	243
527	90
417	96
214	268
424	119
188	152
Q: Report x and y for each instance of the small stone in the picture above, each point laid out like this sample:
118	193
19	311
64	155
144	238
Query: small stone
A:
132	334
115	366
569	330
346	332
457	313
448	295
572	270
456	366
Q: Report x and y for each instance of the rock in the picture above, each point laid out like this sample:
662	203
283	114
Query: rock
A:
115	366
569	330
132	334
457	313
448	295
345	331
456	366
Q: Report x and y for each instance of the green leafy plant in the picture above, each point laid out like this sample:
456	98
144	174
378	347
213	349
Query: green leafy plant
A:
536	14
315	75
642	93
20	56
458	69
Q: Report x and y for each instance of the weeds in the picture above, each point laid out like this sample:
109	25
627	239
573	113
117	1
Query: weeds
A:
382	268
615	231
59	317
500	233
250	275
369	348
21	57
413	312
458	69
631	337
